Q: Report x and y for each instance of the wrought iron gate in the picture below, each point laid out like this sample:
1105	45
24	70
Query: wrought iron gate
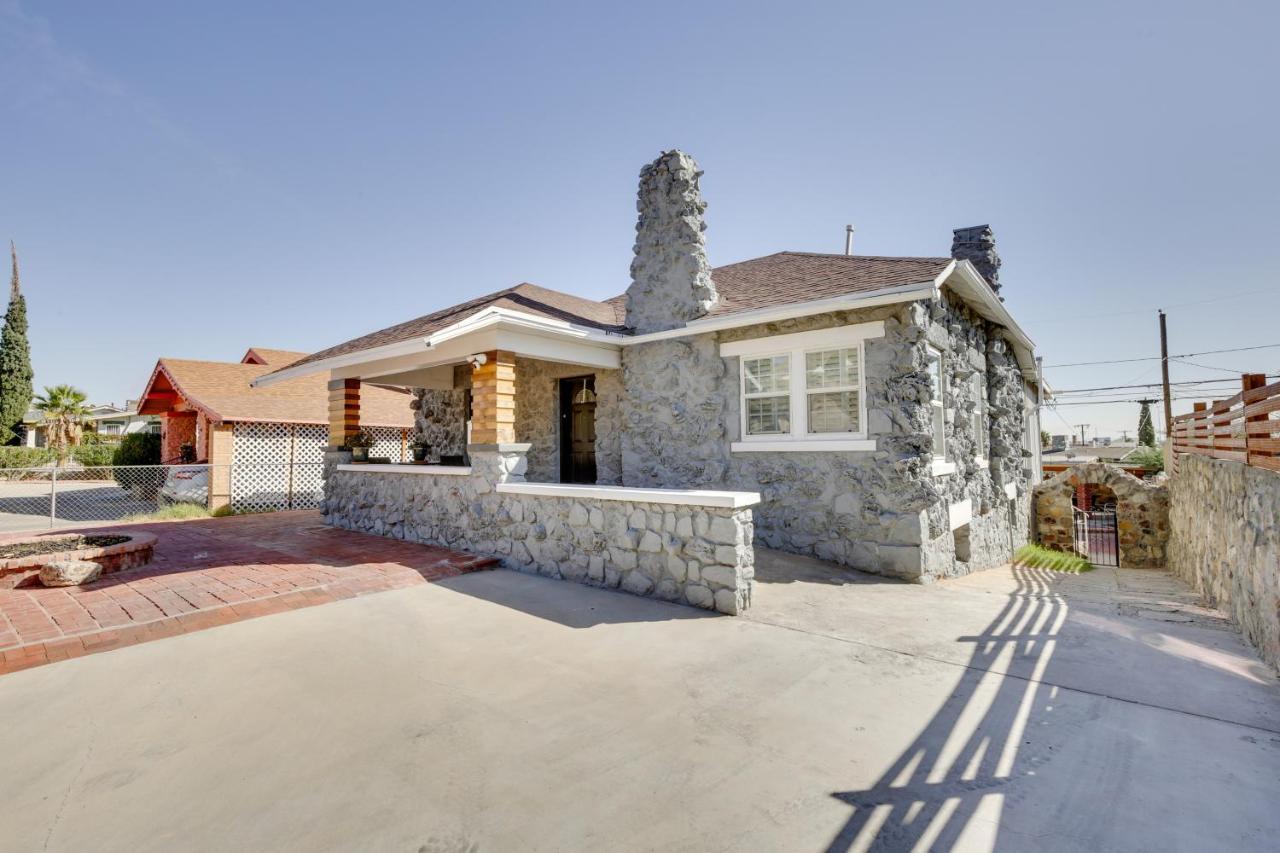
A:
1097	537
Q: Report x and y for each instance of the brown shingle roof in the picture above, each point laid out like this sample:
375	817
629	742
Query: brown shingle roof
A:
221	389
277	358
783	278
528	298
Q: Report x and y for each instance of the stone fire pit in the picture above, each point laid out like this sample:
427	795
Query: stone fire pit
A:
112	550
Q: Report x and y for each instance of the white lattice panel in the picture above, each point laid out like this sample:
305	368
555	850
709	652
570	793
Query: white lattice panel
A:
388	442
276	466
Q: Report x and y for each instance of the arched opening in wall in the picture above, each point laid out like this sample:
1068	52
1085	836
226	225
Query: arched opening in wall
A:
1094	497
1097	530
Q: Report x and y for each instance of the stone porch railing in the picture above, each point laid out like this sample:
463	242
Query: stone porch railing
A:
689	546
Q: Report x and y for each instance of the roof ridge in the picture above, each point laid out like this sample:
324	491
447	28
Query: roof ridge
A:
912	258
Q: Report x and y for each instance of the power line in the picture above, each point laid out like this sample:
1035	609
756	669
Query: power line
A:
1150	385
1157	358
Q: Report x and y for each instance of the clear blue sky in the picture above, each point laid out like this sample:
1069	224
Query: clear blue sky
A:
192	179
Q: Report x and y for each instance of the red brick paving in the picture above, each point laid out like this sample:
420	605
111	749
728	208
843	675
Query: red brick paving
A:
209	572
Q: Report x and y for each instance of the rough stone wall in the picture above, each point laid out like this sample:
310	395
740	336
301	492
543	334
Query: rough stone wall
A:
977	244
999	525
670	276
440	417
1142	512
537	390
697	555
880	511
1225	542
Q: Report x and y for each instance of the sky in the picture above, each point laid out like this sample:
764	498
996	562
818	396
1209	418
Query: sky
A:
190	180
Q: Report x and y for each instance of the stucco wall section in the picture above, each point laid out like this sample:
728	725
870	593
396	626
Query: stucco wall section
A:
696	555
1225	542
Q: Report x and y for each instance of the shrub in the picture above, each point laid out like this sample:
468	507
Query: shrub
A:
25	457
138	448
93	455
1151	458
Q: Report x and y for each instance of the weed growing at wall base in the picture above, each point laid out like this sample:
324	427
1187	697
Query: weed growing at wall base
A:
1039	557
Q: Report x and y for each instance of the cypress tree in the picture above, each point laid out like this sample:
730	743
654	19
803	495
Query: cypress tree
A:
1146	430
15	362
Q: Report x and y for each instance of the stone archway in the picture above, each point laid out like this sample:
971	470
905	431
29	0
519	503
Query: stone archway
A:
1142	511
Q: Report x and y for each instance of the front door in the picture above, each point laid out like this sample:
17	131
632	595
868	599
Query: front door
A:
578	430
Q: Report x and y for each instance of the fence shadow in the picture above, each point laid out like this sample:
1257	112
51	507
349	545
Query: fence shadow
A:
969	749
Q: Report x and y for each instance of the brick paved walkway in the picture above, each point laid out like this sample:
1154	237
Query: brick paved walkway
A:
210	572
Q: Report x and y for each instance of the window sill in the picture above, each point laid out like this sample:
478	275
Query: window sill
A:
983	463
943	468
784	445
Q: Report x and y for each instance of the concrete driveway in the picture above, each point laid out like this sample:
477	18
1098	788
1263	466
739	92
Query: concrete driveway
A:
498	711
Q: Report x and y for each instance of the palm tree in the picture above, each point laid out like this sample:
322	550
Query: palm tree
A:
65	409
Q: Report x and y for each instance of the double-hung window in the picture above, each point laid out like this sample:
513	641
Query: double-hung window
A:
804	391
937	404
981	430
833	391
767	394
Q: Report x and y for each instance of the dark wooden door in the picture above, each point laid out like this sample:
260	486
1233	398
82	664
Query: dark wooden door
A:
578	430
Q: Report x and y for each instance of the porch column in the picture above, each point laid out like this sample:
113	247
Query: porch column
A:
221	455
495	457
493	399
344	410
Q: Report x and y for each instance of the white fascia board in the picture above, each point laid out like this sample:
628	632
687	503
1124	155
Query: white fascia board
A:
847	302
829	337
486	320
678	497
965	279
494	317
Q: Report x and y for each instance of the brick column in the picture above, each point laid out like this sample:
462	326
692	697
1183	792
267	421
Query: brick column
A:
221	450
344	410
493	402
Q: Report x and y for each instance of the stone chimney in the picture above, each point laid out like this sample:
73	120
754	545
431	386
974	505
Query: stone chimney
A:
670	277
977	244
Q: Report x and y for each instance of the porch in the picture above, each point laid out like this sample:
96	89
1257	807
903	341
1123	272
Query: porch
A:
537	427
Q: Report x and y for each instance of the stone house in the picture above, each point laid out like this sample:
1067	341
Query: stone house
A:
265	446
879	412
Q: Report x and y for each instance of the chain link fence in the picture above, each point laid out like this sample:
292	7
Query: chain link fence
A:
45	497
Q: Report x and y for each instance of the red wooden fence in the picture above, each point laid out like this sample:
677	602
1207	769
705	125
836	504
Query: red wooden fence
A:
1243	428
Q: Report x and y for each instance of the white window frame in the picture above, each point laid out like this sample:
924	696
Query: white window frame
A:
797	346
938	405
982	420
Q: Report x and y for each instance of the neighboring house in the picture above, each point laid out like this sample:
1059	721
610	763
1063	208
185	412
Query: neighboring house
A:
879	412
1060	459
273	436
104	419
113	420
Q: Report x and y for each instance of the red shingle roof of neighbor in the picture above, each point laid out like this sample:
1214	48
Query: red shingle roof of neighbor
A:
222	391
784	278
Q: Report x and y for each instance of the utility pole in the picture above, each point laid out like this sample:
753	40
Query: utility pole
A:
1124	436
1082	428
1164	377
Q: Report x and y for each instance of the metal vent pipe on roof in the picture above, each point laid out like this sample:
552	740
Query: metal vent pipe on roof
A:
848	239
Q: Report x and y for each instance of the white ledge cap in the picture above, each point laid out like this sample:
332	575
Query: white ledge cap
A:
684	497
376	468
